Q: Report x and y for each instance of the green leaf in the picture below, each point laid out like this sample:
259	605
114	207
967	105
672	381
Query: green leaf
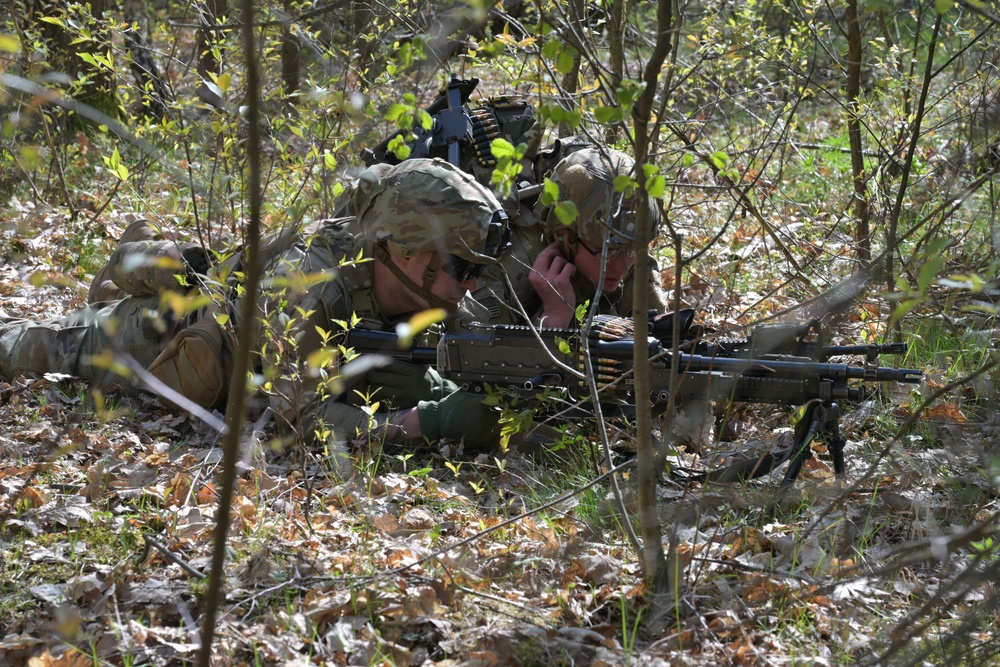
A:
322	357
605	114
550	193
424	119
550	50
501	148
942	6
624	183
564	346
566	60
719	159
224	81
573	119
422	320
329	161
937	245
399	148
929	271
53	20
567	212
903	308
9	44
650	170
656	186
687	160
397	111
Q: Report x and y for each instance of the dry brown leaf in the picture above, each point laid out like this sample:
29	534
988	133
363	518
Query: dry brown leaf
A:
387	523
417	519
948	412
71	658
207	494
35	497
180	487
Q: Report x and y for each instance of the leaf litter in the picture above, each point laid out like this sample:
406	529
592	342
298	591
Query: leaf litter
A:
107	533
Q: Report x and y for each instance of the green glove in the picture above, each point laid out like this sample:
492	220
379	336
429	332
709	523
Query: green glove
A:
402	384
461	415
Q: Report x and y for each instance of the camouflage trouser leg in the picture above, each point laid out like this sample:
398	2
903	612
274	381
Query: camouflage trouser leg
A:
83	344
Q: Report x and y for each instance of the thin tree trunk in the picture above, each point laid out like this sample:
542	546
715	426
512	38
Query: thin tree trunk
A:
207	61
893	228
571	79
659	581
616	47
291	74
862	229
235	406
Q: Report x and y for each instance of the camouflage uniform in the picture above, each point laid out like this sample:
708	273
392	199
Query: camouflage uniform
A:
585	176
416	207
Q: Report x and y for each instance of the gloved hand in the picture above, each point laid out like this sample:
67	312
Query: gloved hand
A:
402	384
461	415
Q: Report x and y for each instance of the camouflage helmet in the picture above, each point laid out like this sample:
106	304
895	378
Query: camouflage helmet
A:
586	178
427	205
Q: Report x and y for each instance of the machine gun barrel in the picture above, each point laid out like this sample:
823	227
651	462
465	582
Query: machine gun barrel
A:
790	367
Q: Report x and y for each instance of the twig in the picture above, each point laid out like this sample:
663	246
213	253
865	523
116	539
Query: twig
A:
151	542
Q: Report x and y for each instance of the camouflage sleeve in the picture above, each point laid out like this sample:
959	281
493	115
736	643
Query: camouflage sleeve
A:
657	298
504	289
76	344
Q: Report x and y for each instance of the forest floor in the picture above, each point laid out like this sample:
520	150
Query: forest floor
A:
437	558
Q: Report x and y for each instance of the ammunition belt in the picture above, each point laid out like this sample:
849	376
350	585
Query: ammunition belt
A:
486	124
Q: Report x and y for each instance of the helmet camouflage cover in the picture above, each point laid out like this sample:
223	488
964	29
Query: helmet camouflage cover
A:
586	178
427	205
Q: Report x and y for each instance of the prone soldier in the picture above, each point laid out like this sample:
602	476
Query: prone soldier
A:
423	233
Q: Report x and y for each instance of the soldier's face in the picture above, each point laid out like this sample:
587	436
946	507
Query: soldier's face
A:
587	258
450	289
444	286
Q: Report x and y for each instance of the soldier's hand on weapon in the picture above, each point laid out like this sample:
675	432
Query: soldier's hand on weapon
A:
551	277
403	426
402	384
461	415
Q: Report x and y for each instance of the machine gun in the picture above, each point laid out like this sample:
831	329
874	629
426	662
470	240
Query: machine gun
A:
515	358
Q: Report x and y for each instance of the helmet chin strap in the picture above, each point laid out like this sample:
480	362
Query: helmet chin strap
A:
430	275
